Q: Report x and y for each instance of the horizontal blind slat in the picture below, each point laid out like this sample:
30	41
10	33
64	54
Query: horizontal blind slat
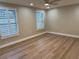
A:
8	25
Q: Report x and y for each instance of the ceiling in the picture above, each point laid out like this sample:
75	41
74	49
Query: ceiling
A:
40	3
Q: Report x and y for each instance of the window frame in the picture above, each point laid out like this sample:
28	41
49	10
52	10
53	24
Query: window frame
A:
43	19
17	33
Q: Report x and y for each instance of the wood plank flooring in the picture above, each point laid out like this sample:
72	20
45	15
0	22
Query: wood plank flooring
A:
47	46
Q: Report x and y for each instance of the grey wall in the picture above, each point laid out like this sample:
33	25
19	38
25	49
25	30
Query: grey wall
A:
26	22
64	20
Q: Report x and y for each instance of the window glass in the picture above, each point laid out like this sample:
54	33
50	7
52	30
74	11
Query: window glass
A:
40	20
8	25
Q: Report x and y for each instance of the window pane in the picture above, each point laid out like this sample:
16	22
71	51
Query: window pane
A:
8	25
12	19
12	16
40	20
4	27
4	30
13	28
3	16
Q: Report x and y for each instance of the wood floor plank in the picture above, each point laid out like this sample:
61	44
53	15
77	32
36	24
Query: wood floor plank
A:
41	49
33	50
73	53
46	46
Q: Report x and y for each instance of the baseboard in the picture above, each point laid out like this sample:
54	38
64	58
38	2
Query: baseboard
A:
69	35
18	41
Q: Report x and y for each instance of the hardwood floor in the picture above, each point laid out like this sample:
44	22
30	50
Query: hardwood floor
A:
46	46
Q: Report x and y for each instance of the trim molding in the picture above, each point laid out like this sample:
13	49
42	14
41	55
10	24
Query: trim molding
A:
21	40
26	38
69	35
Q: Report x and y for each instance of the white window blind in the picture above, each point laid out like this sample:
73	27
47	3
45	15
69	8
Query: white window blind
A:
40	16
8	24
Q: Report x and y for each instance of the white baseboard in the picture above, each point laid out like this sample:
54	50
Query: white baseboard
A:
69	35
21	40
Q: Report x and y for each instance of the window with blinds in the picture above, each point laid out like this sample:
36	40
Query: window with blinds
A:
40	16
8	23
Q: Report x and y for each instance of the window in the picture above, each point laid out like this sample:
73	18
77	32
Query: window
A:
40	16
8	23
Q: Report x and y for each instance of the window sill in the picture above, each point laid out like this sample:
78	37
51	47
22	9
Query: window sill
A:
5	37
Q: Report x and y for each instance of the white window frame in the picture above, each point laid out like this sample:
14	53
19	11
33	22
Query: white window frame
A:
43	20
17	33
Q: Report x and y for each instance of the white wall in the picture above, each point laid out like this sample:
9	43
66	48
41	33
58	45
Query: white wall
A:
26	21
64	20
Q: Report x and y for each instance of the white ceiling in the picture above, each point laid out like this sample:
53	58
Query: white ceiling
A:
40	3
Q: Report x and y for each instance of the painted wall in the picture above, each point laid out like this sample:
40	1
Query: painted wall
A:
26	22
64	20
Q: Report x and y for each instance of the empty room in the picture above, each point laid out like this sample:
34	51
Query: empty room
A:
39	29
